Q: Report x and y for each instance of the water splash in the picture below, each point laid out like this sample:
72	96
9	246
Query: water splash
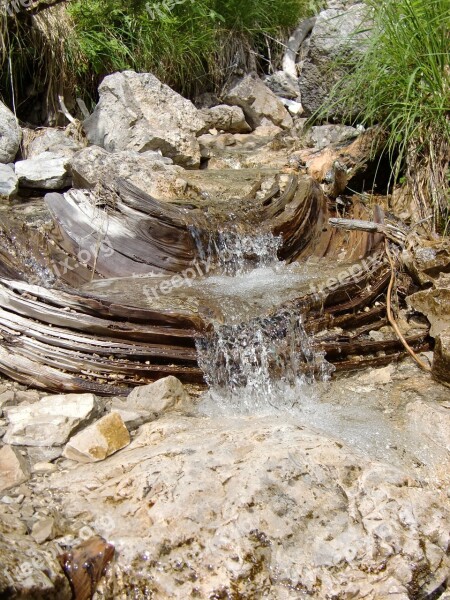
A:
234	252
264	363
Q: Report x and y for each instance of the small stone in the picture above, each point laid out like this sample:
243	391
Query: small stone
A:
44	467
43	530
98	441
378	376
49	422
9	184
47	171
164	395
7	398
14	469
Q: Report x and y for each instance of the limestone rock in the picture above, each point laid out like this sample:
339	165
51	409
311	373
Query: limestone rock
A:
10	135
257	506
283	85
50	421
322	136
150	171
46	171
53	140
14	469
30	572
225	118
428	260
258	102
431	421
9	184
98	441
138	112
441	362
434	303
43	530
333	36
165	395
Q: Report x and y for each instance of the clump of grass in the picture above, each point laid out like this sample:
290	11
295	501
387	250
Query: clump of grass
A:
403	83
190	44
37	58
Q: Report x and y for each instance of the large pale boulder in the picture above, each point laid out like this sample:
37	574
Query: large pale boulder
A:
337	34
46	171
138	112
258	102
10	135
257	507
50	421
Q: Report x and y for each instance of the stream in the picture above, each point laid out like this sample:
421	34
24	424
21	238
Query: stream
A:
256	355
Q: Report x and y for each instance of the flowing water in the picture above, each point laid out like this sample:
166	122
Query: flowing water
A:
257	357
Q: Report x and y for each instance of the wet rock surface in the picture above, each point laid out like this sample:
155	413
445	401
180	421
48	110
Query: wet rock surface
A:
346	495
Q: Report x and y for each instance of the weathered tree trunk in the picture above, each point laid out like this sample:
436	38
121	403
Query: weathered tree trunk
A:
58	334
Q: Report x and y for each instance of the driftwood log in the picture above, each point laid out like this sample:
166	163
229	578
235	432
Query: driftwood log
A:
58	332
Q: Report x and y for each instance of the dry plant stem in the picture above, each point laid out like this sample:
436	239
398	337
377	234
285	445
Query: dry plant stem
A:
390	316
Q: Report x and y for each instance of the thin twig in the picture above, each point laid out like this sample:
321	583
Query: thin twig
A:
390	316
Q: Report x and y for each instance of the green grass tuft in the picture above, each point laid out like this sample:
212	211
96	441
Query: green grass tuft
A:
403	83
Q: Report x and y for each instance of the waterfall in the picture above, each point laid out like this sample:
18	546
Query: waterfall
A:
256	359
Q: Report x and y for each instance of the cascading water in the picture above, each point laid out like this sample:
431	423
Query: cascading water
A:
258	358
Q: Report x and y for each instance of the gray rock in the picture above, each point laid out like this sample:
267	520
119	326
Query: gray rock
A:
137	112
283	85
10	135
434	303
225	118
46	171
98	441
53	140
9	184
43	530
257	101
151	172
165	395
14	468
333	37
295	108
50	421
322	136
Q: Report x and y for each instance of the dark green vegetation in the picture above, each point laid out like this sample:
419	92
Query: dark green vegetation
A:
192	45
403	83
